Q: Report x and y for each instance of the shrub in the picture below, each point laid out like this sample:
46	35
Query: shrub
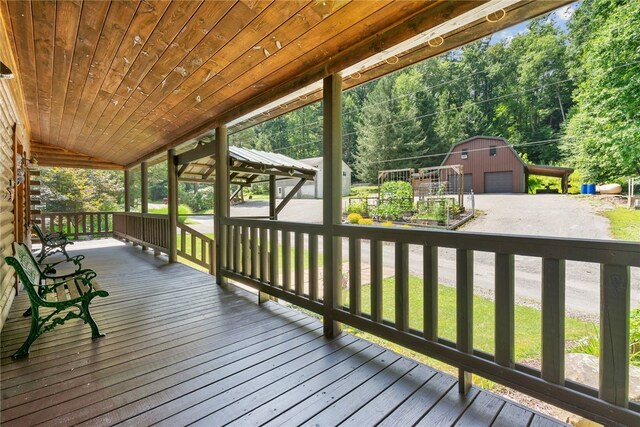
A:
387	223
365	221
361	208
354	218
396	198
183	212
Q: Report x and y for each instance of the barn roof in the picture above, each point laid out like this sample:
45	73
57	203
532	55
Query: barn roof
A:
495	138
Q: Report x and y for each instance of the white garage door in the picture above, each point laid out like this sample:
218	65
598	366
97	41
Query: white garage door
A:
498	182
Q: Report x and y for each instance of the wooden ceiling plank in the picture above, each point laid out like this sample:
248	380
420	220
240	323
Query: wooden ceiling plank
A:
88	72
44	18
22	31
111	61
238	18
317	17
66	29
170	26
8	55
167	67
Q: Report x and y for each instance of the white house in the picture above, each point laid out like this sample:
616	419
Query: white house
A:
313	189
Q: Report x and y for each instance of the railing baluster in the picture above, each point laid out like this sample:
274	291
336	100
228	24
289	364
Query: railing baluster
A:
464	310
255	258
230	242
273	258
224	247
246	250
264	255
376	280
504	310
212	257
75	226
430	289
183	240
615	296
286	260
203	251
553	299
193	245
402	286
313	267
355	285
236	248
299	263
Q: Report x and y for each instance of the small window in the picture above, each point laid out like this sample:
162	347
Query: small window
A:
493	151
465	153
344	174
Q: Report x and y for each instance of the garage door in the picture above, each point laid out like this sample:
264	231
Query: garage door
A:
498	182
468	183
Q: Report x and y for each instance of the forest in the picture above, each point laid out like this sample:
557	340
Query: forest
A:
562	92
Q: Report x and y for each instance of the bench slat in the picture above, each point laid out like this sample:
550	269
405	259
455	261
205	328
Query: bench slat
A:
73	290
82	287
62	295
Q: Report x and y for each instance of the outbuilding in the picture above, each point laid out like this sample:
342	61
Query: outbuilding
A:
491	165
313	189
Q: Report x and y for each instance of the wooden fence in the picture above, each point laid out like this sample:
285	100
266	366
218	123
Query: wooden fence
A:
150	230
283	259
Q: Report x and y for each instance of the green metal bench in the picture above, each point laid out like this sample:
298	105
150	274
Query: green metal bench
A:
71	293
51	243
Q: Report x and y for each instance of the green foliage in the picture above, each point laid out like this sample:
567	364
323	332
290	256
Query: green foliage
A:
77	190
603	132
634	336
396	198
354	218
624	223
361	207
183	213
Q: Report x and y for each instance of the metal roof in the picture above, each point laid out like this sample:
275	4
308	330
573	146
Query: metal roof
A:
246	166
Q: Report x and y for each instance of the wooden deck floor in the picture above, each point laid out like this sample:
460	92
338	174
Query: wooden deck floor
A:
180	350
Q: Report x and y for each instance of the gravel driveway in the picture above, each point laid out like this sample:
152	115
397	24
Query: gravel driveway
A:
521	214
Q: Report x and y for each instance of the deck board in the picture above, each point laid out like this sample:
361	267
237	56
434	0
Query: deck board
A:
180	350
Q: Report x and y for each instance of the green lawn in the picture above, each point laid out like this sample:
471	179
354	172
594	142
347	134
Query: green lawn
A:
625	223
528	329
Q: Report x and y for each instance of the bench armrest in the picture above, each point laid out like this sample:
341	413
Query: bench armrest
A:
51	267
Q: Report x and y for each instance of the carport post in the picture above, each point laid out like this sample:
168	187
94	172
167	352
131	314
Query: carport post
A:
144	194
272	198
172	178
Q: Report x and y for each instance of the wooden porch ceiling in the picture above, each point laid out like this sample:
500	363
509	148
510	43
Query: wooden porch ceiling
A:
124	80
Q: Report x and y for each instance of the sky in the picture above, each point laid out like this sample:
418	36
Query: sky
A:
559	16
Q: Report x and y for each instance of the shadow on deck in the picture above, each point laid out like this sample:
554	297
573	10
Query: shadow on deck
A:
181	350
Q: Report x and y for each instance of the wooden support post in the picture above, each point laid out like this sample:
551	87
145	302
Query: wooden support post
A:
221	194
127	200
273	215
615	298
464	305
172	177
430	284
144	195
332	200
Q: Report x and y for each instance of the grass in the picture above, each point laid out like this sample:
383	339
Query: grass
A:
183	211
528	322
624	223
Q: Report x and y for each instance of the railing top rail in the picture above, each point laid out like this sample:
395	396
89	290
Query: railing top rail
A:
195	232
572	249
142	215
78	212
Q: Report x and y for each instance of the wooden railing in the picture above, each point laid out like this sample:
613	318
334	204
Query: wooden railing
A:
196	247
283	259
150	230
77	224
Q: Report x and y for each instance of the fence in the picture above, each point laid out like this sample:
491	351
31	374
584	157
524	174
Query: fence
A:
77	224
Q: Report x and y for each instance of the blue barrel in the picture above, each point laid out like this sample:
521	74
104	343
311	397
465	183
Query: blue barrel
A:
591	189
583	188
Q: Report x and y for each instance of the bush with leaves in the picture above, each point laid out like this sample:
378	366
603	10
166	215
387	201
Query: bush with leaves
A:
354	218
360	207
396	198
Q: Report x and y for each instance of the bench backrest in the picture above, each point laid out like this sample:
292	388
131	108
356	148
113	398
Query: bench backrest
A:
26	267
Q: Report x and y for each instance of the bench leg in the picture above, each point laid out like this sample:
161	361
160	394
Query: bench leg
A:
95	332
34	333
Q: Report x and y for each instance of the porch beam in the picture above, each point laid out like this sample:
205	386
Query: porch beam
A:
221	192
201	151
172	177
332	200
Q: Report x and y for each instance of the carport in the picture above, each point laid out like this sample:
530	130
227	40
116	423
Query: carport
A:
246	167
551	171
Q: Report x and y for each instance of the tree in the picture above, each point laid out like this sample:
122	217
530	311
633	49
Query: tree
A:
603	132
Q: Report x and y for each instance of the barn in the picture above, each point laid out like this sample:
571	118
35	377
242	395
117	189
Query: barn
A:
491	165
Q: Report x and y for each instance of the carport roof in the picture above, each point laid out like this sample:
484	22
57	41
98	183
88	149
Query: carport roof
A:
553	171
